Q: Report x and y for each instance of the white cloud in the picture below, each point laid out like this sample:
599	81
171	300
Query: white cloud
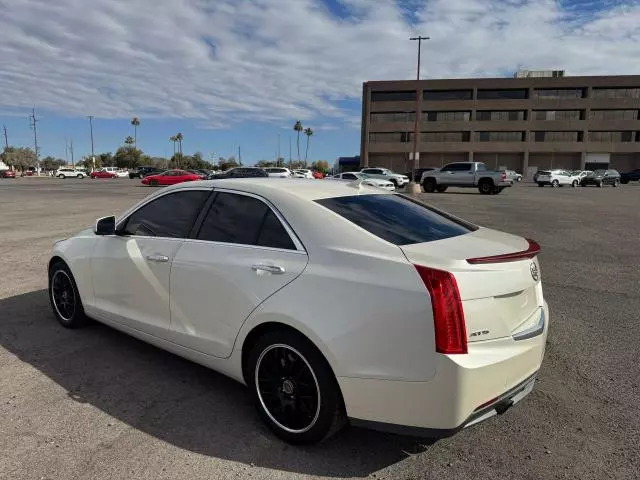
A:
225	61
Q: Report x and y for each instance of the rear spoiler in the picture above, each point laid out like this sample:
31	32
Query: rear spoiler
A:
532	251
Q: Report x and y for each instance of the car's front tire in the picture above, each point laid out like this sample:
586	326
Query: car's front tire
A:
555	184
294	389
62	176
616	183
64	296
430	185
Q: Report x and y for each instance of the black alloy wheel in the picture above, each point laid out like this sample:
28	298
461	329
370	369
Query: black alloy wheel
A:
486	187
294	389
64	296
430	185
574	184
616	182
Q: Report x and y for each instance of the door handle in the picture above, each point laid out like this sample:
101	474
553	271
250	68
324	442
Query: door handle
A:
268	268
158	258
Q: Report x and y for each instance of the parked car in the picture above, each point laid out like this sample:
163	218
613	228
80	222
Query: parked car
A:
226	280
600	178
278	172
632	176
197	172
385	174
65	172
418	175
557	178
142	172
7	174
580	174
103	173
240	172
170	177
513	175
366	180
318	175
303	173
465	174
122	173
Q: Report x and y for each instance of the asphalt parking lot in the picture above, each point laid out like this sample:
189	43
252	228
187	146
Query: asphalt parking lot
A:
97	404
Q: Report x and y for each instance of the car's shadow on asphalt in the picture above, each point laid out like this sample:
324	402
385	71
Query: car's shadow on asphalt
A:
177	401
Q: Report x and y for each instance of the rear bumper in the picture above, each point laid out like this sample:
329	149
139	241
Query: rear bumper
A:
465	390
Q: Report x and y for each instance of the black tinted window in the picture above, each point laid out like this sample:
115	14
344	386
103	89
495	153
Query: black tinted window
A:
244	220
396	219
171	215
349	176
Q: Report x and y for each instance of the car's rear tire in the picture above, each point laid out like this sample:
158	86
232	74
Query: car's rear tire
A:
294	389
441	188
574	184
518	179
486	187
430	185
395	183
64	297
555	184
80	176
599	184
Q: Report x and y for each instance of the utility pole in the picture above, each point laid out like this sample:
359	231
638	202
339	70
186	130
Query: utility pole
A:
66	149
93	155
33	121
71	149
289	151
239	156
278	157
414	187
6	139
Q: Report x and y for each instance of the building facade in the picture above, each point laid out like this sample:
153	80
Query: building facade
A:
522	124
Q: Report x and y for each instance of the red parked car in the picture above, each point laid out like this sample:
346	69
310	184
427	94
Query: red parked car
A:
102	174
170	177
318	175
7	174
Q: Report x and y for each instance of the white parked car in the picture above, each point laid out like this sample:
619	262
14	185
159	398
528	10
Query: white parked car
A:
65	172
434	324
303	173
397	179
278	172
557	178
366	180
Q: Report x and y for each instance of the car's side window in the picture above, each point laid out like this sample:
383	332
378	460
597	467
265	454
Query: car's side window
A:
349	176
171	215
463	167
243	220
448	168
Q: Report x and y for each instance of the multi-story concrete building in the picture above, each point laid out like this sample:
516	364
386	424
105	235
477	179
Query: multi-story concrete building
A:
524	124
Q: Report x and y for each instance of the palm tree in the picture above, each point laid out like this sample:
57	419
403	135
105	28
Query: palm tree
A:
308	132
173	139
298	128
135	121
179	138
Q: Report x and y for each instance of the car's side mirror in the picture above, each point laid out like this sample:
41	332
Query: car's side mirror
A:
105	226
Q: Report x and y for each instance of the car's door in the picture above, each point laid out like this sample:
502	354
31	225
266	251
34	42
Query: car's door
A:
131	270
464	174
447	173
243	253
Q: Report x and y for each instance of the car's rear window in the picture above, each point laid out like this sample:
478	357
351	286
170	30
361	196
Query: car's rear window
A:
397	219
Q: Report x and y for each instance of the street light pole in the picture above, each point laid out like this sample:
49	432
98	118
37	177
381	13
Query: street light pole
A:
93	155
414	187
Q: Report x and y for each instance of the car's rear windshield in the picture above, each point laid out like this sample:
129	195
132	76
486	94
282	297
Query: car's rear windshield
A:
397	219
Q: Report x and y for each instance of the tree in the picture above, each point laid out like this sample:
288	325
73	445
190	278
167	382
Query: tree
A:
298	128
51	163
179	138
308	132
226	164
19	158
265	163
135	121
128	157
321	166
129	141
173	139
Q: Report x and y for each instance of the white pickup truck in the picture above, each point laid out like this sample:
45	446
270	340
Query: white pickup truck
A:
465	174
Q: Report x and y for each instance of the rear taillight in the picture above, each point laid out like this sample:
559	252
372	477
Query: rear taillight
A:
532	251
503	176
448	315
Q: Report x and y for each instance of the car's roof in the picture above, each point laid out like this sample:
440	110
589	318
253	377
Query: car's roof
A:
283	187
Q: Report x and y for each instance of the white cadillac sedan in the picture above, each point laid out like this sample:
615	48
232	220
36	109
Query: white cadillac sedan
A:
434	324
366	180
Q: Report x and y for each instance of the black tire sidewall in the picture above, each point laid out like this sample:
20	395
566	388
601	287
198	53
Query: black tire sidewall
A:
430	185
78	319
485	184
331	416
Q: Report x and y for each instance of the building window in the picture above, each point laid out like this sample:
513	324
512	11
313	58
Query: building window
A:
507	115
547	93
435	95
504	94
390	137
446	116
444	137
616	93
393	117
611	137
557	136
499	136
613	115
558	115
398	96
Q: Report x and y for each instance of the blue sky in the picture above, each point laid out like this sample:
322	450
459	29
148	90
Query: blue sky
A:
240	72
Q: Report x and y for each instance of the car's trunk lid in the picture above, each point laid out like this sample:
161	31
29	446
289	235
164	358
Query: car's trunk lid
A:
499	299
